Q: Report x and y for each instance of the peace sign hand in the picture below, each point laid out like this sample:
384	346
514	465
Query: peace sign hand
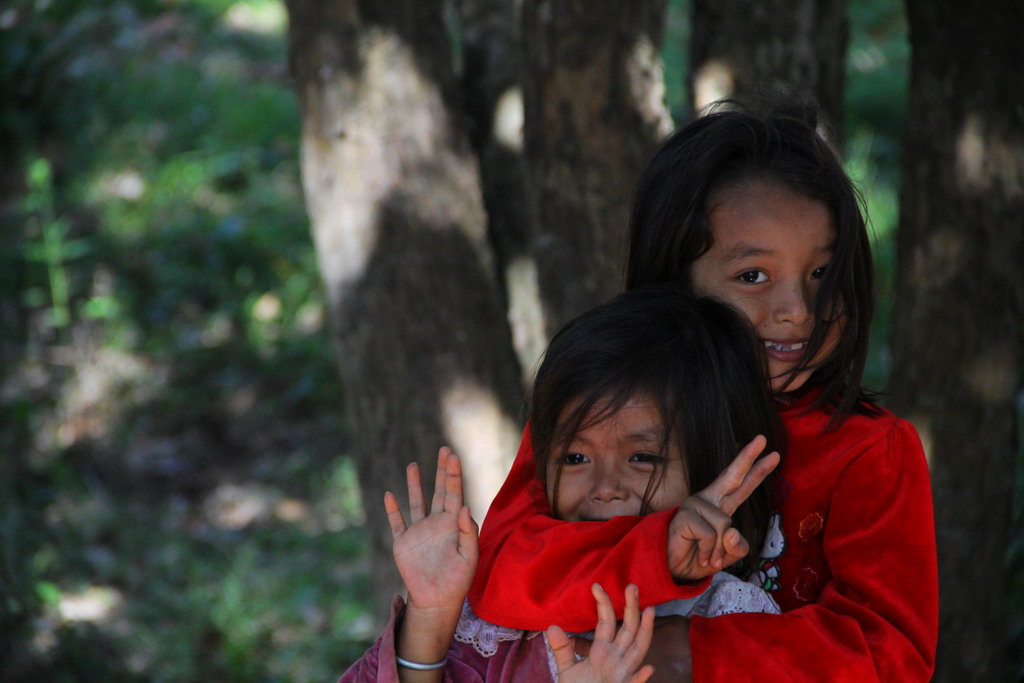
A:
701	538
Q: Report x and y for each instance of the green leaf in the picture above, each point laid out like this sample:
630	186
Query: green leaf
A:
48	592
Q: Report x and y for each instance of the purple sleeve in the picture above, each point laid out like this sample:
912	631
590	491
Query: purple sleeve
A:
377	665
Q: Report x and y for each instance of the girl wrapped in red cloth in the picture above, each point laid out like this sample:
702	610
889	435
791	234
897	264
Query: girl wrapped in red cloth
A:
639	407
755	210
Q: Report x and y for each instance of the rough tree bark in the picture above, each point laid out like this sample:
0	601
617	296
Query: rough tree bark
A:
594	109
738	45
394	198
957	333
494	101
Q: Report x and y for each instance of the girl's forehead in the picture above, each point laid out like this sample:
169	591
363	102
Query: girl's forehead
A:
639	421
754	189
768	218
610	406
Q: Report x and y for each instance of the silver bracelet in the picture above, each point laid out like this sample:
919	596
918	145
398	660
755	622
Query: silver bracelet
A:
420	667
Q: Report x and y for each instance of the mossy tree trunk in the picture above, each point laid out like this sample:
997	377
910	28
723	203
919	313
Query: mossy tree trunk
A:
594	110
738	45
957	332
393	193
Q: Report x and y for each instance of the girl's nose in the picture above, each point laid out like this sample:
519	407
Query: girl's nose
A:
793	303
607	485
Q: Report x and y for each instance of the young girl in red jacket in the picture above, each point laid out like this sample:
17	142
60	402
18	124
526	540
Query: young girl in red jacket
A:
755	209
639	403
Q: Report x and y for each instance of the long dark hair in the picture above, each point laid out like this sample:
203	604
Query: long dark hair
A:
734	145
696	359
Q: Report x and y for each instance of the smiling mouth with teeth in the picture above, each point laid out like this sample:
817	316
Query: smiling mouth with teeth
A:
777	346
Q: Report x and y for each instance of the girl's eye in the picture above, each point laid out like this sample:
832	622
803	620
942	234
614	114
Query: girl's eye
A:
575	459
819	273
652	458
753	277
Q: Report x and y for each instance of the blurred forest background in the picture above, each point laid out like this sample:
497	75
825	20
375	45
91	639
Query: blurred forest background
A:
179	497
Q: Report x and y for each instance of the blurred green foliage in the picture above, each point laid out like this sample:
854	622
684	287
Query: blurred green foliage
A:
175	500
877	76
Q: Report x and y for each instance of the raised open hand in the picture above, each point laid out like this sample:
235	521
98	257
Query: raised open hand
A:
436	552
615	657
701	538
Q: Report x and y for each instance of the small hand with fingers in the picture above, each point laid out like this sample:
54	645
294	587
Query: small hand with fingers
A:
701	538
615	656
436	552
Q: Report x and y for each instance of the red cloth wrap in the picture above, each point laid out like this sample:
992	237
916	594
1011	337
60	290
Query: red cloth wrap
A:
858	581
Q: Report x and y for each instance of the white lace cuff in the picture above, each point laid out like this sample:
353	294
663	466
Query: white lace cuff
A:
734	597
483	635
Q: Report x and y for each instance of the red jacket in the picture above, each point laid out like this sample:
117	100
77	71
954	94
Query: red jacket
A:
854	568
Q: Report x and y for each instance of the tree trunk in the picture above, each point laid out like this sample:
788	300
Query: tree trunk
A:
393	194
594	110
494	100
739	45
960	301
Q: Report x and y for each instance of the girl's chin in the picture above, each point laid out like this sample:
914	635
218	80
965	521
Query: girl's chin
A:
781	381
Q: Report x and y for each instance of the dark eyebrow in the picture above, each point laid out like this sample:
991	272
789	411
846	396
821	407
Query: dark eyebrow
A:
576	439
655	434
742	250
